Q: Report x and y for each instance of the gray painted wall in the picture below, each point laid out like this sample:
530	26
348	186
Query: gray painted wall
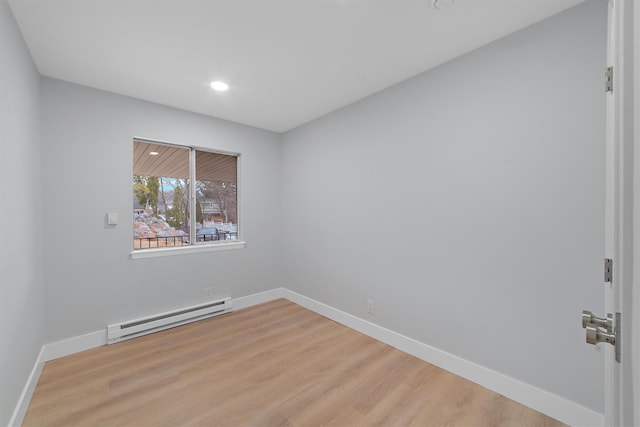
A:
21	284
91	282
468	203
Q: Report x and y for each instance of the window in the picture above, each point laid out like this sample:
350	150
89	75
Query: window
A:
169	210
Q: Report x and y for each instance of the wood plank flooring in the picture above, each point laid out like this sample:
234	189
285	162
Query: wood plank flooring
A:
276	364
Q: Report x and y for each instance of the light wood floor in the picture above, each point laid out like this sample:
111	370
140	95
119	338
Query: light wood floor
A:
276	364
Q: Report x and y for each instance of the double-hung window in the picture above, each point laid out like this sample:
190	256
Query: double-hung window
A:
183	196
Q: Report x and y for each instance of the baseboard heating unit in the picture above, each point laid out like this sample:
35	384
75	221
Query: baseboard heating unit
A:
147	325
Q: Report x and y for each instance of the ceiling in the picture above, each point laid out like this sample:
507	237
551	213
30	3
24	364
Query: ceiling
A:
286	61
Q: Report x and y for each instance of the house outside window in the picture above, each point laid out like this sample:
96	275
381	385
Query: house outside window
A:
183	196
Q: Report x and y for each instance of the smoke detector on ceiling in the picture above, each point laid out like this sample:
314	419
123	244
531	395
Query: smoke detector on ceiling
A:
442	4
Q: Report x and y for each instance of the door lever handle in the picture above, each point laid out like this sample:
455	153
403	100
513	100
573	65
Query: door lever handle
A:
596	335
589	318
602	330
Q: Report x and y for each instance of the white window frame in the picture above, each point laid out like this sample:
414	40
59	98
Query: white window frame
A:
205	246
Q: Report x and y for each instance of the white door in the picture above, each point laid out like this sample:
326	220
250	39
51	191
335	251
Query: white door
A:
618	397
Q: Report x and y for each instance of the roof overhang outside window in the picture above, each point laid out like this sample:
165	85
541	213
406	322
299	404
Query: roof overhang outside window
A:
172	161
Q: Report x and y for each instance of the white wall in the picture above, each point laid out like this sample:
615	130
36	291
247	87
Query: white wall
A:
91	282
21	284
468	203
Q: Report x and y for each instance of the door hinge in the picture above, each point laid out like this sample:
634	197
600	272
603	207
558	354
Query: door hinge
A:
608	79
608	270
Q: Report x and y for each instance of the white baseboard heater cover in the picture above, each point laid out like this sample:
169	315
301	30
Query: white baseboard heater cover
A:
147	325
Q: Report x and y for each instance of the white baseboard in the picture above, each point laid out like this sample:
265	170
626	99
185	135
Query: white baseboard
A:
542	401
259	298
25	398
74	345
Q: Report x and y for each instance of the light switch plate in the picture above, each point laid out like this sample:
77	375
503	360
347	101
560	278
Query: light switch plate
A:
112	218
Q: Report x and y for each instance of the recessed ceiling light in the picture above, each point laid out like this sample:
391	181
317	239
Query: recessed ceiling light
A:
153	153
442	4
219	86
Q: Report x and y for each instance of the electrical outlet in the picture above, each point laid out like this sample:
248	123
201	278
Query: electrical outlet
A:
370	307
208	292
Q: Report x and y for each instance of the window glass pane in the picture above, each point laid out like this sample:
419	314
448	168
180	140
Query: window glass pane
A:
160	195
216	196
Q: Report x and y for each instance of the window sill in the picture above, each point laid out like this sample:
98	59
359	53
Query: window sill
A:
182	250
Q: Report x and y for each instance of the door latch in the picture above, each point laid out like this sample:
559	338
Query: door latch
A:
600	329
